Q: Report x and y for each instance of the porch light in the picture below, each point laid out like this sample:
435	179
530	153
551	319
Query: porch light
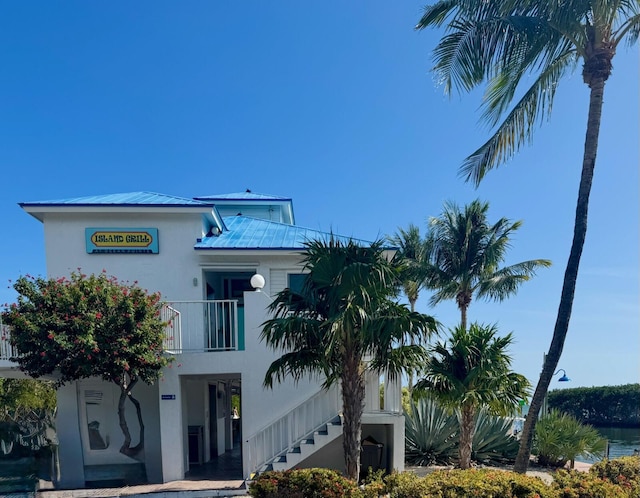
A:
564	377
257	282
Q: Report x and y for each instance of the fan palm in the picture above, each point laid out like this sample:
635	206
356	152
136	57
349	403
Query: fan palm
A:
470	371
342	324
502	42
466	253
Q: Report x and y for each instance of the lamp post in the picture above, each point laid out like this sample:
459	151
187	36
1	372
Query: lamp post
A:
564	378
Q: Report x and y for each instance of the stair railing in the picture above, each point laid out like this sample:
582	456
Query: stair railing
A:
283	434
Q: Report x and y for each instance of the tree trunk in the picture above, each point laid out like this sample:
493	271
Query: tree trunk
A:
570	276
126	449
467	428
353	390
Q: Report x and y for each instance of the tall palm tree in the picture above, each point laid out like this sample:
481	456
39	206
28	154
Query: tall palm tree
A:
470	371
412	250
345	315
465	256
542	41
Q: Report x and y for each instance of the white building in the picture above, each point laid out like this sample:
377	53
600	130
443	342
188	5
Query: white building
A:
200	254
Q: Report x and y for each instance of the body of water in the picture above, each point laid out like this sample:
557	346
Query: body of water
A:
622	442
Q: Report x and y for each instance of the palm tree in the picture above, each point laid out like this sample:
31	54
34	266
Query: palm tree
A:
470	371
345	315
412	250
502	42
466	253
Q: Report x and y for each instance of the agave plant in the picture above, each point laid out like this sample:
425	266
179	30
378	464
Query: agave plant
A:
492	440
431	434
560	438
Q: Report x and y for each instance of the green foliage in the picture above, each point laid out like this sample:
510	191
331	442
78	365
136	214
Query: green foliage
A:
466	252
470	371
87	326
27	411
484	483
492	441
623	471
303	483
605	406
343	323
432	436
560	438
574	484
23	395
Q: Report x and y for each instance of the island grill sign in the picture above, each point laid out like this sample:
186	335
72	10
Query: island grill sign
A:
121	240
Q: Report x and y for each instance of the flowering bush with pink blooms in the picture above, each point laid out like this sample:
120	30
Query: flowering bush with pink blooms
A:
89	326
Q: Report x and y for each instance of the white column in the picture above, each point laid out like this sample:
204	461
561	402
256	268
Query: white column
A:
171	427
68	429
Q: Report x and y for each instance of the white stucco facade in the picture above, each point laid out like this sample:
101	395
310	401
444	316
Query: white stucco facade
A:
188	417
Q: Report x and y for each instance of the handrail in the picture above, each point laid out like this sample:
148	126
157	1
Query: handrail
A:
293	427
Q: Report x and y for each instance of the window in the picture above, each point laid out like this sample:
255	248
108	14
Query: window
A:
295	281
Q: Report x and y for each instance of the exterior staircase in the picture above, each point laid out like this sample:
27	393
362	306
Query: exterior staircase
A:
296	435
307	446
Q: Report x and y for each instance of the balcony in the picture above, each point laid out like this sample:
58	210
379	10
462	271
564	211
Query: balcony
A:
192	326
201	326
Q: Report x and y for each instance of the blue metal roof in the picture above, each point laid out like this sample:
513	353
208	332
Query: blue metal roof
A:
125	199
252	233
242	196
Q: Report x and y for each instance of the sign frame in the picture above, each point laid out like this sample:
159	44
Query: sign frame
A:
109	240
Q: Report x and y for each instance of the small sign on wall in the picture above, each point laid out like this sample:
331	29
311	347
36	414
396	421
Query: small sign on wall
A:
121	240
167	396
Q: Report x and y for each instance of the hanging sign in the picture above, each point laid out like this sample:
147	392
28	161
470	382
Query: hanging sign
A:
121	240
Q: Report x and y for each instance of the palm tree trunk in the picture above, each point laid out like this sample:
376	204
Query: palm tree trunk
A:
570	275
463	317
467	426
353	391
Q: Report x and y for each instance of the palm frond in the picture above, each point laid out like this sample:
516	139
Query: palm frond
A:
517	128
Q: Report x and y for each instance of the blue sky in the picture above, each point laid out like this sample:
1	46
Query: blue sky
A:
331	103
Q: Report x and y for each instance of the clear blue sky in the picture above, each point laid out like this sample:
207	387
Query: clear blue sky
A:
331	103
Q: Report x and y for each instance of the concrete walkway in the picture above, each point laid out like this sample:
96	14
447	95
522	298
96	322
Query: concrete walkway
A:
175	489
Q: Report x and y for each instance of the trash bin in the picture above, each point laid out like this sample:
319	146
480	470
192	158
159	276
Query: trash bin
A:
195	433
370	455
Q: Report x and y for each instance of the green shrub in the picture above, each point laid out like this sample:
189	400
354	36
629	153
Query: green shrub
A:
574	484
492	441
623	471
304	483
484	483
432	435
560	438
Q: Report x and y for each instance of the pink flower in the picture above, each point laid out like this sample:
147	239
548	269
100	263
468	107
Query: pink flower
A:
98	315
43	353
50	336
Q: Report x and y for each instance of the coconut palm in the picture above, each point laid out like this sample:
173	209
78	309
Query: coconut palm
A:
412	250
342	324
504	42
465	256
471	371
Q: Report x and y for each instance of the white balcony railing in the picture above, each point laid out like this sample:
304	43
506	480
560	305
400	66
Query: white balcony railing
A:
204	326
7	351
191	326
